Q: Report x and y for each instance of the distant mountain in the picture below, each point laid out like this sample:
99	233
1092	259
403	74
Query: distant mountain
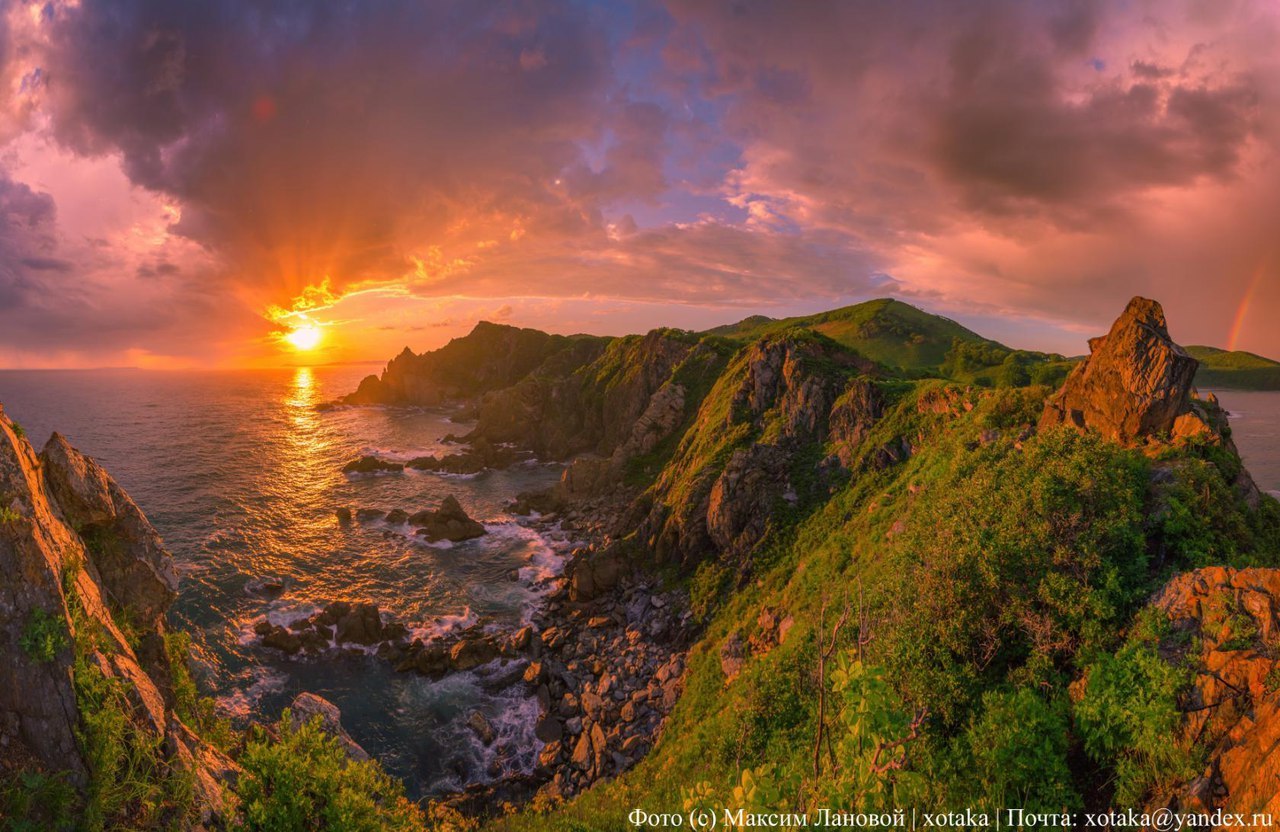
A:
887	331
1235	370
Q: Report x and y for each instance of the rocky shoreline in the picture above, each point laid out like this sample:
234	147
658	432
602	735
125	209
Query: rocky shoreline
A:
603	655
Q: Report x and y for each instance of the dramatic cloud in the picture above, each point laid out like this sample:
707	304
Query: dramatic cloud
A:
177	175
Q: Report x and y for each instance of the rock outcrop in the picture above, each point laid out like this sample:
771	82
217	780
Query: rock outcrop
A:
307	706
449	522
1136	382
733	467
76	554
1230	618
491	357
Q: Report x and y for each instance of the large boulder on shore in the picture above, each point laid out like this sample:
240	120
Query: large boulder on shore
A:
1136	382
449	522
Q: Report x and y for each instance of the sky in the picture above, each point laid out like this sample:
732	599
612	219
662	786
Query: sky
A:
185	184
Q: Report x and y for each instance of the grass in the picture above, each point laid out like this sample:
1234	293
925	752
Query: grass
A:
33	801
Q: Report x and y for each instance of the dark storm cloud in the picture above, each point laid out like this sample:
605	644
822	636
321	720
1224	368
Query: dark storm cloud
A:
305	139
997	154
27	222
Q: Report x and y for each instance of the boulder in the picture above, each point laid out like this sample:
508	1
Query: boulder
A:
308	706
360	623
588	476
1135	384
469	653
593	574
480	726
449	522
127	552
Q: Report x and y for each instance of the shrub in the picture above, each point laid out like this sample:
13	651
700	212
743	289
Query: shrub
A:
1013	562
304	780
200	713
32	801
1128	718
706	588
44	636
1018	749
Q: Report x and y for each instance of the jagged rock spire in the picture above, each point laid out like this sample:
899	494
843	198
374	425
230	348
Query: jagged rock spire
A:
1135	383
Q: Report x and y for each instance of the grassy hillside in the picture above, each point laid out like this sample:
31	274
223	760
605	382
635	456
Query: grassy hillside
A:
1238	370
888	331
973	584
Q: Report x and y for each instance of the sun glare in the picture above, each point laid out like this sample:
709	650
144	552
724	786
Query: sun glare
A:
305	337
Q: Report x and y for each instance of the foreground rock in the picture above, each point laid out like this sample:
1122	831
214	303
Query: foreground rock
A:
308	706
1229	618
1136	382
76	556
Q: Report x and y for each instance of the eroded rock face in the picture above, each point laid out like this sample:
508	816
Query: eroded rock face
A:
308	706
128	554
1136	382
744	496
72	540
1234	707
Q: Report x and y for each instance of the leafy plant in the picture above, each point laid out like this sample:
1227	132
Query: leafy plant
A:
303	779
1129	718
44	636
32	801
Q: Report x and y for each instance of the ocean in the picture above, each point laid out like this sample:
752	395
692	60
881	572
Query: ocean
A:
241	474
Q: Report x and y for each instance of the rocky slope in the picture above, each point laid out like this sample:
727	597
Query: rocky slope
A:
492	356
78	558
1224	628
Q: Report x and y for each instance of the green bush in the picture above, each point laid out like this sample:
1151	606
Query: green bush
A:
200	713
1018	750
32	801
303	780
1128	718
1013	562
44	636
706	588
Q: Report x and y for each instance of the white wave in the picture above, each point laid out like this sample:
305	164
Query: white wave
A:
443	626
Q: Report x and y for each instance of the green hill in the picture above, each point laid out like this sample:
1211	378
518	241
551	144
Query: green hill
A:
1235	370
887	331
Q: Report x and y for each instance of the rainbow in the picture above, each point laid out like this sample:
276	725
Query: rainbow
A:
1237	326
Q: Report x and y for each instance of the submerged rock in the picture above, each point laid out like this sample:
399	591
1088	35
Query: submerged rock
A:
371	465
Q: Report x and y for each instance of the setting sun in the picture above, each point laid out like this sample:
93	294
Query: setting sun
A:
306	337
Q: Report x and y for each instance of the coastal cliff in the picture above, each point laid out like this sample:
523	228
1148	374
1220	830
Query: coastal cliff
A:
89	671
